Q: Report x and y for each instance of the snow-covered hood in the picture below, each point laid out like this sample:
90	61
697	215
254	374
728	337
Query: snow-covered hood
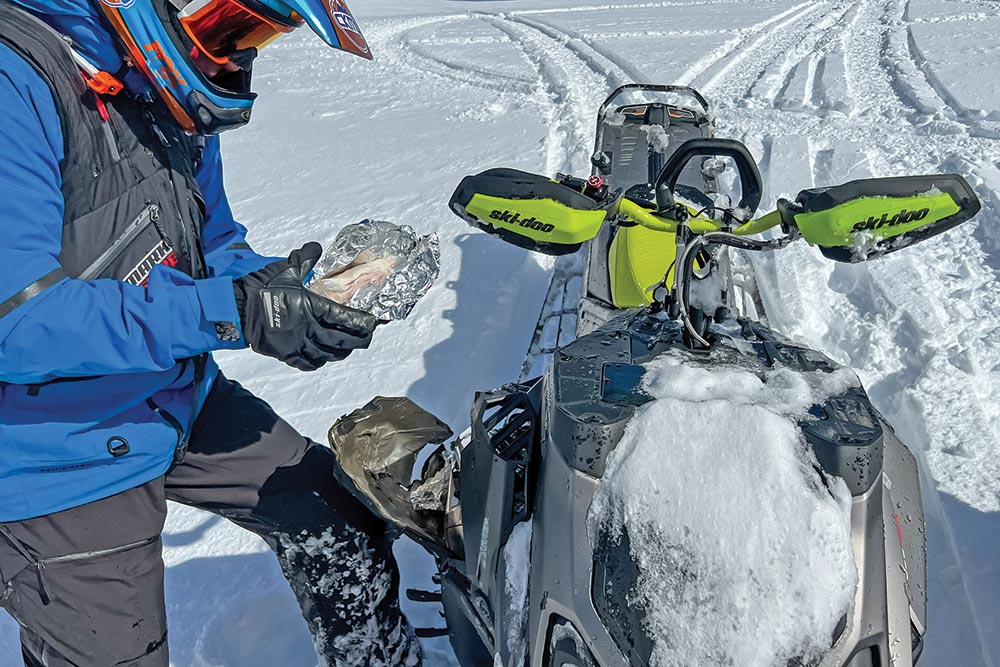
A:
81	21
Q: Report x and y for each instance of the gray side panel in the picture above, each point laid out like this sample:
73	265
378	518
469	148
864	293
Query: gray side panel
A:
903	486
585	428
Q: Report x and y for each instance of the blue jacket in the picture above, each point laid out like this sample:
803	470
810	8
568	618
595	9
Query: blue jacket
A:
53	441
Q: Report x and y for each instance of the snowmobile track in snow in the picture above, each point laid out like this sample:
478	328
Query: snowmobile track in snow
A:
615	69
570	72
885	104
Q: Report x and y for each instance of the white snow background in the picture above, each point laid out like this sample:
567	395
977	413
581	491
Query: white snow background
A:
822	91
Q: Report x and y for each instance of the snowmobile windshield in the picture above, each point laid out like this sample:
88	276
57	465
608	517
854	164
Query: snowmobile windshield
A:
222	28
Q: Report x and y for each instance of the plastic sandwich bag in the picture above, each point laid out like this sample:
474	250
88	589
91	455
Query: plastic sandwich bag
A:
378	267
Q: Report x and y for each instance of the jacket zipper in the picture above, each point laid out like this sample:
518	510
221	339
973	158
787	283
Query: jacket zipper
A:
166	416
150	214
195	252
84	555
170	419
109	134
199	246
91	130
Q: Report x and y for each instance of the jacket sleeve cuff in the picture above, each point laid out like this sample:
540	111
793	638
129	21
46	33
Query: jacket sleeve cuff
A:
217	303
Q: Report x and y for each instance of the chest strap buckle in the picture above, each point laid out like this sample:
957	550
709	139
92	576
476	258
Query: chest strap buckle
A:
103	83
100	82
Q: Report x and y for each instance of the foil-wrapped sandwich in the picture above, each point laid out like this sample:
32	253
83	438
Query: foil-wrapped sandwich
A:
378	267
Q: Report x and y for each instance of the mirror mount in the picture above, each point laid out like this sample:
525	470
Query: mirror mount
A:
601	162
664	198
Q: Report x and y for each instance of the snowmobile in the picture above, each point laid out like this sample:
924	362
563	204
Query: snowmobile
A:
639	127
528	577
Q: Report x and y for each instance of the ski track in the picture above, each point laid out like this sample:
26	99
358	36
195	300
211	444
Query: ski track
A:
739	73
720	61
571	70
563	61
568	81
872	313
615	69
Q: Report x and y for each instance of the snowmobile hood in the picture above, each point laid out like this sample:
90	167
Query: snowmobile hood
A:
81	21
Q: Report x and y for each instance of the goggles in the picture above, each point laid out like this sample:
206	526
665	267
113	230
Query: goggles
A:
221	28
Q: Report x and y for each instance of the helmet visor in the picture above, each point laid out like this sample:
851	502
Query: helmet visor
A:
220	28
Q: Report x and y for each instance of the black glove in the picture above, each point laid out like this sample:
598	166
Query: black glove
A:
284	320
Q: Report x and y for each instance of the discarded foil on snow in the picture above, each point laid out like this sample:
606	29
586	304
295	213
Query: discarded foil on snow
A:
378	267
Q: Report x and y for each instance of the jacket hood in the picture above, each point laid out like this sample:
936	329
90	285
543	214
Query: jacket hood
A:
82	22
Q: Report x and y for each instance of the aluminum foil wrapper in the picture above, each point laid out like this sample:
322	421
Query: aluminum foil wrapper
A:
428	495
378	267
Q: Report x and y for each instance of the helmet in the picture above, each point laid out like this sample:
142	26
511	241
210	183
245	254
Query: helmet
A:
199	54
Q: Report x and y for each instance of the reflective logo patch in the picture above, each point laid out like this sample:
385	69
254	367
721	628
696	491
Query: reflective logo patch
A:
272	305
160	254
119	4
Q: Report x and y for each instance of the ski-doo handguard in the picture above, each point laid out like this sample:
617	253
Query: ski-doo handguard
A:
868	218
531	211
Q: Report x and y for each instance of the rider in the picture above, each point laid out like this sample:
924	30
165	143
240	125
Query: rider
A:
121	271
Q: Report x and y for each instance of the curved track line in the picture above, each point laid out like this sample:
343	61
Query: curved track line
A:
735	80
816	43
570	83
715	68
422	58
470	74
590	51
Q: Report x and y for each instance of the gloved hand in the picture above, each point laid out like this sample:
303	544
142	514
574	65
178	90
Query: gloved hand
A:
284	320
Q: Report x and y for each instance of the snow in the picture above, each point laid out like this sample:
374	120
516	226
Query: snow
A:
711	567
517	557
821	91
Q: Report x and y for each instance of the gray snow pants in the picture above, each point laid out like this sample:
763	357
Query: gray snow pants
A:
86	584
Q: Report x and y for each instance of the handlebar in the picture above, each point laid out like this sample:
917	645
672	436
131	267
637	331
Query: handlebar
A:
699	225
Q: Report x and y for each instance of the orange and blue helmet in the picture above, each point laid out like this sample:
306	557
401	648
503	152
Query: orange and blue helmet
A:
199	54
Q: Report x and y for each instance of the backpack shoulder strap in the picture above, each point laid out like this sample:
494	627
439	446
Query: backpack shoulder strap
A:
49	54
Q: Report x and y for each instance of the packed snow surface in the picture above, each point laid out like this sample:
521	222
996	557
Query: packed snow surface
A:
734	532
822	91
